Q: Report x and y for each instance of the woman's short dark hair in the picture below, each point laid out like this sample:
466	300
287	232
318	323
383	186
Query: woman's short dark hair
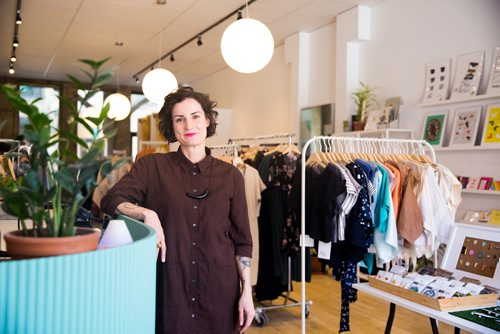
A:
165	115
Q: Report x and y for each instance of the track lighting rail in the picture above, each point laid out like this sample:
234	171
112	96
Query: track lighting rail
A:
195	37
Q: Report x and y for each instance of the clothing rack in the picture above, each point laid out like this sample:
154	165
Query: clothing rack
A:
232	148
290	137
151	143
13	154
351	145
260	315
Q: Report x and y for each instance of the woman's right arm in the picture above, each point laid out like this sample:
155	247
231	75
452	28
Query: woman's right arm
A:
150	218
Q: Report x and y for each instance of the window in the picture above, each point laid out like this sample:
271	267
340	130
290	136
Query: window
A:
92	108
49	104
141	107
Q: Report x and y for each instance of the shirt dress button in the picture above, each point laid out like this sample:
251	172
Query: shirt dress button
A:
194	173
194	190
193	281
195	207
194	243
194	225
193	299
193	262
193	315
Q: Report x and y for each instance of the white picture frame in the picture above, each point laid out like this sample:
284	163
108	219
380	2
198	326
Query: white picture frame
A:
437	81
491	127
468	74
465	126
434	127
372	119
454	248
494	77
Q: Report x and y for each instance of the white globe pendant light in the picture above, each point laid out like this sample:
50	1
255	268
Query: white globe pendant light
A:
119	106
157	84
247	45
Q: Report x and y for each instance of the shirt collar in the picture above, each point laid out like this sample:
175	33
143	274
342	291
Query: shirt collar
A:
186	165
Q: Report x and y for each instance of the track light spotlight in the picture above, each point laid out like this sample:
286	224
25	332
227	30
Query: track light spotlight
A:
172	58
240	16
199	41
15	43
137	80
18	18
11	69
13	57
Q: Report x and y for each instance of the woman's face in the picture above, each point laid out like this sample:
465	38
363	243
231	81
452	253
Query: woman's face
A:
189	123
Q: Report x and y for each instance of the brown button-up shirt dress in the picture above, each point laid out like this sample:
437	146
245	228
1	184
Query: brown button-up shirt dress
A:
198	285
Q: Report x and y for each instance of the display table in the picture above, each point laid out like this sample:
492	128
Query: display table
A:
104	291
434	315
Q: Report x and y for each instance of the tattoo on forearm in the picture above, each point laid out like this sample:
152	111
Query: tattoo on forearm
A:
245	261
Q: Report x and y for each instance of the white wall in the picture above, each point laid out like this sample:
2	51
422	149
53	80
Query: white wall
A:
263	103
260	102
321	66
407	34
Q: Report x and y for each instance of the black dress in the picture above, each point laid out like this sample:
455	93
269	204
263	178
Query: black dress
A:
198	285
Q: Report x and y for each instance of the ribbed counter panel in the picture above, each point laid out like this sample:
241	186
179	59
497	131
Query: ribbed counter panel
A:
105	291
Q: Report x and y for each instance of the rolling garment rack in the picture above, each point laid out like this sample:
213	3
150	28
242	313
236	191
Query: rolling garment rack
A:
351	145
261	317
229	149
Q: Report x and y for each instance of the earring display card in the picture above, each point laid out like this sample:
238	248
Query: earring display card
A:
479	256
434	127
467	75
494	80
465	126
489	317
437	81
491	131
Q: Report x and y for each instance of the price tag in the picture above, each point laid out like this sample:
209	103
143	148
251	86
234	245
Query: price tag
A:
308	241
324	250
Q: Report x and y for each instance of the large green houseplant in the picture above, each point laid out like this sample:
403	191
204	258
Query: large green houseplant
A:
56	185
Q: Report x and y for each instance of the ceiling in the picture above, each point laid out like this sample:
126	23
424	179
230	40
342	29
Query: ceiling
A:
56	33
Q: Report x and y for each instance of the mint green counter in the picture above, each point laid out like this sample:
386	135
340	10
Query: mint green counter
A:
106	291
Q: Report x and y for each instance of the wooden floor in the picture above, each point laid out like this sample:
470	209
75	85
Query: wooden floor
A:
368	314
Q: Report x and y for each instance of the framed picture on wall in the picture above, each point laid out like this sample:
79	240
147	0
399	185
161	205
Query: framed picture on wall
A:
494	79
473	252
491	131
372	120
437	81
467	75
434	127
465	126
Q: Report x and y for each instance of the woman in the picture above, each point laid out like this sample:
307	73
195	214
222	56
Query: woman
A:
196	204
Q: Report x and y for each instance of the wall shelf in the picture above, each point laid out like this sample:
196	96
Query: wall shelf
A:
469	99
380	133
481	192
472	148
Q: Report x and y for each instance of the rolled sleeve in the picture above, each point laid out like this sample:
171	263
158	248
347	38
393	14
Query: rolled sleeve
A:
240	227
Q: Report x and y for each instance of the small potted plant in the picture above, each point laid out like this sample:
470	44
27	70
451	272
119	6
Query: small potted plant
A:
363	98
47	198
345	125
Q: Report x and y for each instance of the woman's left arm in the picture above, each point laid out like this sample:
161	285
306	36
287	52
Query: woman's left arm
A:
242	238
245	306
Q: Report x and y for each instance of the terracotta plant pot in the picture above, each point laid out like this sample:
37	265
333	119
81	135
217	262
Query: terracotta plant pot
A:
358	126
22	247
